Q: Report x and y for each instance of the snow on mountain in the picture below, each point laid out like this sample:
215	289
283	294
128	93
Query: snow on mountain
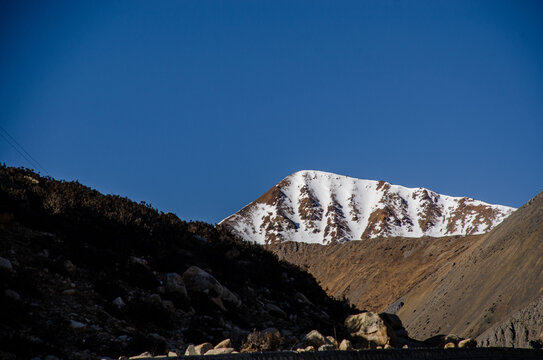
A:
319	207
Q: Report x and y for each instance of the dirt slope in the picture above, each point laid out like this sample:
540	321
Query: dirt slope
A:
500	274
374	273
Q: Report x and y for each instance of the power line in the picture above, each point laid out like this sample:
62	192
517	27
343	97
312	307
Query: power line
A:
14	144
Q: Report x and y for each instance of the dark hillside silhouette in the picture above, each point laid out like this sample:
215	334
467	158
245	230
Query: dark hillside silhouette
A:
92	274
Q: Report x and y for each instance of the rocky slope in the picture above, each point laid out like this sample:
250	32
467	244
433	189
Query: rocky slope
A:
84	275
325	208
524	328
500	274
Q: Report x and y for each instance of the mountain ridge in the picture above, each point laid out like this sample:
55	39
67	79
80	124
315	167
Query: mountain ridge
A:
319	207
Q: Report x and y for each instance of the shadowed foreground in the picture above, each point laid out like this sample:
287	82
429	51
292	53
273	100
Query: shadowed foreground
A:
392	354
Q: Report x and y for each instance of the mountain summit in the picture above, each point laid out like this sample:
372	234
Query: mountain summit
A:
320	207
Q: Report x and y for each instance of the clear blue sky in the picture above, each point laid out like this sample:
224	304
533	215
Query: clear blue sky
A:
198	107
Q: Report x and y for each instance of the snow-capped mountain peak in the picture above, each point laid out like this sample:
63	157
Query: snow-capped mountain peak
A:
320	207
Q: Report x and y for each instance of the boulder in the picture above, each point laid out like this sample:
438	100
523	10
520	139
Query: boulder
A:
203	348
77	324
452	338
5	264
345	345
69	266
198	280
144	355
370	327
301	298
190	351
219	351
315	339
449	345
467	343
275	310
327	347
225	344
12	294
118	303
332	341
174	284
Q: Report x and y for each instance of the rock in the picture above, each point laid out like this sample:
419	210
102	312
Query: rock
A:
69	266
174	284
5	264
69	292
306	349
301	298
467	343
405	346
370	327
191	351
227	343
315	339
378	347
332	341
345	345
219	351
11	294
325	315
271	330
144	355
452	338
119	303
203	348
449	345
387	347
77	325
168	305
275	310
155	299
137	260
172	354
199	280
327	347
